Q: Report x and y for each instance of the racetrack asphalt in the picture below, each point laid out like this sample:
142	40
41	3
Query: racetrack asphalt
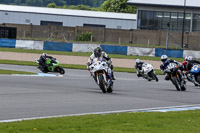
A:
76	93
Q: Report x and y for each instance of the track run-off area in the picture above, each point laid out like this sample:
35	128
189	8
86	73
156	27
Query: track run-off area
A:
75	93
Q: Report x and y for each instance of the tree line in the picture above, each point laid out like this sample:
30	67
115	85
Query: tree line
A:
44	3
97	5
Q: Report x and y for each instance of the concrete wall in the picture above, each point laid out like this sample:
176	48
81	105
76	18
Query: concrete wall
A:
151	37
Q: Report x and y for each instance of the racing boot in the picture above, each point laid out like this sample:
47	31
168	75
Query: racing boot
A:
112	76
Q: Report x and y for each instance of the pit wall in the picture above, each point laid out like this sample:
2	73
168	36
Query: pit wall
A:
110	49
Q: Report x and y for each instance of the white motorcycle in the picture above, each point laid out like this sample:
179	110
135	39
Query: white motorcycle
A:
102	75
148	72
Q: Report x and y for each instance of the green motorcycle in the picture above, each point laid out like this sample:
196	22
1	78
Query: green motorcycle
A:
52	65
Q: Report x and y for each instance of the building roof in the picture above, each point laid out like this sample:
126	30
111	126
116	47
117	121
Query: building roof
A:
169	3
66	12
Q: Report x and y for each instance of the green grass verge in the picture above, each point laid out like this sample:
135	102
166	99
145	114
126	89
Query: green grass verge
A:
71	66
14	72
82	54
143	122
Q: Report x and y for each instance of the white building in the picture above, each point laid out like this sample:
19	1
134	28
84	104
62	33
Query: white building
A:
156	14
65	17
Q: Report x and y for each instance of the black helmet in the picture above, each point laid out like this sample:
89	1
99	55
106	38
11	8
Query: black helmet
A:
97	51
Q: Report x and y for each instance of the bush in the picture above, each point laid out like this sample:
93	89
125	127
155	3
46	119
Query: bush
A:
85	36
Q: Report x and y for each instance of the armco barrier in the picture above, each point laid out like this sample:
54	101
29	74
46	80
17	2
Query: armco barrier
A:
58	46
141	51
84	47
27	44
114	49
195	54
169	52
8	43
110	49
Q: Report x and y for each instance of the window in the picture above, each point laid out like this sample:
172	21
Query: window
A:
187	22
180	21
174	21
94	25
166	20
27	20
196	22
50	23
158	21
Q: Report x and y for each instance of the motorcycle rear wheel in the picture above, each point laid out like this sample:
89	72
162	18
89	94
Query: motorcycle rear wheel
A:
183	86
42	69
197	78
110	89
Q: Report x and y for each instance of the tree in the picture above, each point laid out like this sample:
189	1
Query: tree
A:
51	5
34	2
117	6
80	7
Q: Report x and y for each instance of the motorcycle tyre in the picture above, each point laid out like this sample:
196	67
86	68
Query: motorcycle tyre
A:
154	76
61	70
183	87
102	84
43	69
110	89
197	78
176	84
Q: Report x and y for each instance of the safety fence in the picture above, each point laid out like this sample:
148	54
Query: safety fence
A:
110	49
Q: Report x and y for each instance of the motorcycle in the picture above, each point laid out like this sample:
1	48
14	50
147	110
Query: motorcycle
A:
195	74
176	76
148	72
55	67
100	72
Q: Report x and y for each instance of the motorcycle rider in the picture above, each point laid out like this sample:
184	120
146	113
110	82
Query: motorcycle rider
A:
184	63
99	53
43	59
191	62
138	67
165	63
189	66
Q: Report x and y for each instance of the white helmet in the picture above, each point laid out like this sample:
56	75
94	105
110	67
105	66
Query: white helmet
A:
186	58
137	60
164	58
190	58
44	54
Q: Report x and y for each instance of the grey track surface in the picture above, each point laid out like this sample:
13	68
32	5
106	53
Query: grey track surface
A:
76	92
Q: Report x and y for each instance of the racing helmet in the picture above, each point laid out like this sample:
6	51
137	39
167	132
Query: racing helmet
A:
190	58
164	58
186	58
44	54
138	61
97	52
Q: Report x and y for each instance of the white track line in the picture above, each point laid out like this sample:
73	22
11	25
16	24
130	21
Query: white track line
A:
157	109
38	75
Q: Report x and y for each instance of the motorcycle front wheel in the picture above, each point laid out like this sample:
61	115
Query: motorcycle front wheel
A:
176	83
102	83
154	76
61	70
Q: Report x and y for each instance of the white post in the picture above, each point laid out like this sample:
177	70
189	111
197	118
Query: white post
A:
119	40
